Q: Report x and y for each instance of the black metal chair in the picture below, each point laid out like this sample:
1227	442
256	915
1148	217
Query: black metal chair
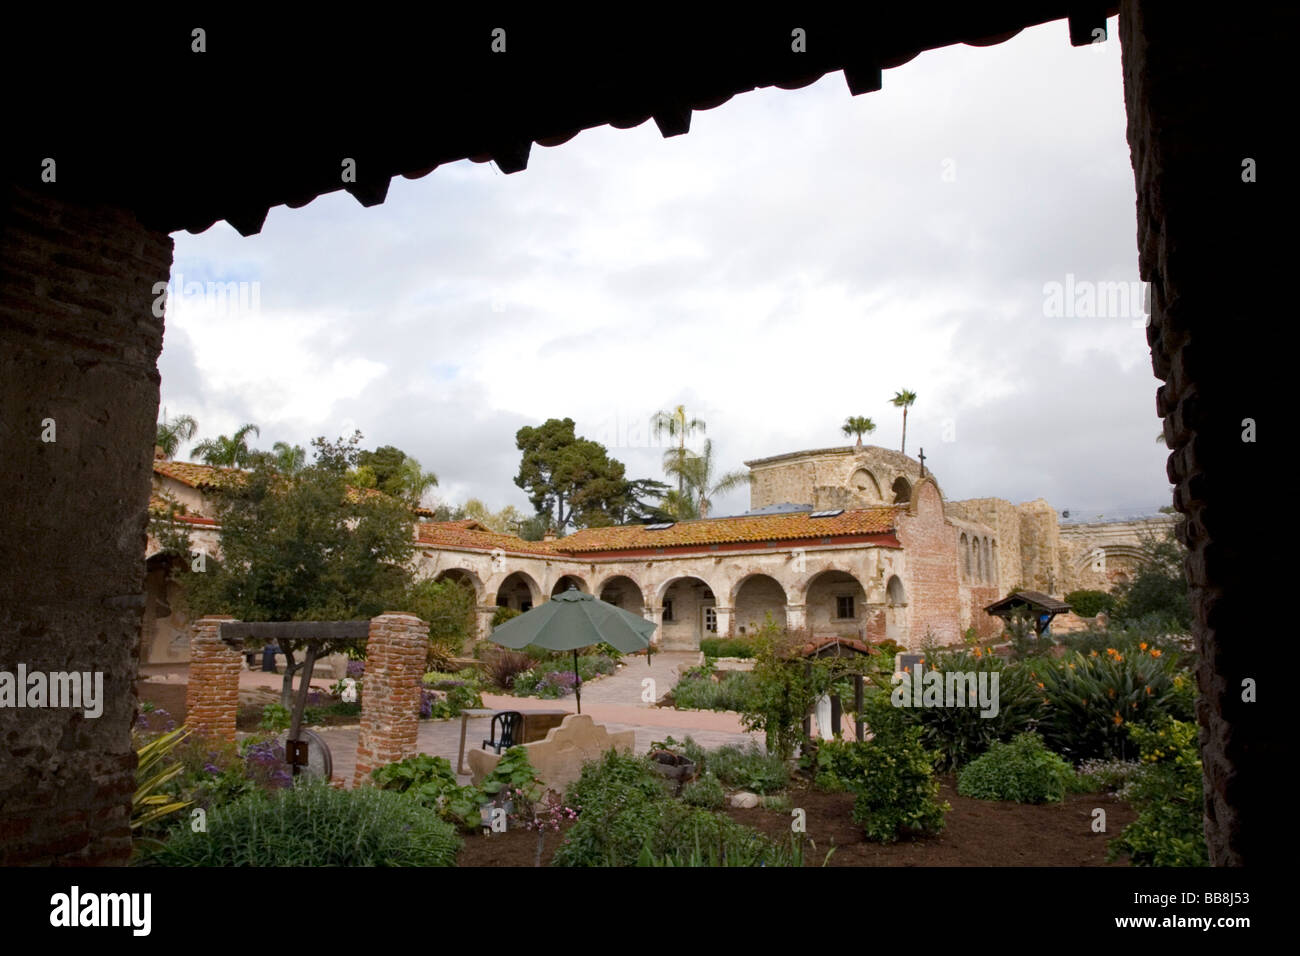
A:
512	726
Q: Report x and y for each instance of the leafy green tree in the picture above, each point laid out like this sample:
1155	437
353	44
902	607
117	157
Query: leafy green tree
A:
903	399
572	480
172	434
697	473
858	425
448	606
676	424
300	548
228	451
395	473
1157	592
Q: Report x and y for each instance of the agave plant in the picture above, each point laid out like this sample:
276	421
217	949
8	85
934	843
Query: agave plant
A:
152	773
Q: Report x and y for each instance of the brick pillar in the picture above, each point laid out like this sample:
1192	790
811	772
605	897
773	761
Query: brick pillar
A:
79	345
1195	121
390	695
212	695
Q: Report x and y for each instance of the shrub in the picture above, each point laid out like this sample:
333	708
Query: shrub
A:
503	614
1168	796
1087	603
745	768
502	665
836	765
1110	776
697	690
727	647
704	792
1093	699
897	793
732	845
276	717
314	824
1024	771
960	734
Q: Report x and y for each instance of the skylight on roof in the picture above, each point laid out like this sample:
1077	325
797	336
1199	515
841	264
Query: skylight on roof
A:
661	526
827	514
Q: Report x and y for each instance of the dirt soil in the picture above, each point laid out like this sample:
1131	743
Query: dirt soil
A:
978	833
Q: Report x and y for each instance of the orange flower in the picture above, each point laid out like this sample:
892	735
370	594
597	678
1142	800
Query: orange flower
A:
1155	652
1149	688
1118	719
1134	705
1093	654
1142	646
1040	685
1111	692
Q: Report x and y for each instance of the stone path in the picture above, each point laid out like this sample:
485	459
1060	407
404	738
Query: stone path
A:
614	701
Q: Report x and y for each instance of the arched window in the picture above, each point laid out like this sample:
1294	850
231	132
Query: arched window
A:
894	592
965	557
902	489
988	561
975	555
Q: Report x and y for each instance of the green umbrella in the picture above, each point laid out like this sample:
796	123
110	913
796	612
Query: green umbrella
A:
572	620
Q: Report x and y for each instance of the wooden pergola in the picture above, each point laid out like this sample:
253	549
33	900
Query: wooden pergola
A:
1042	606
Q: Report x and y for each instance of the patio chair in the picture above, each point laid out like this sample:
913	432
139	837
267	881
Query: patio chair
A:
512	726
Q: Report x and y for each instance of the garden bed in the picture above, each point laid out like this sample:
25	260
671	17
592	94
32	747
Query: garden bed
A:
976	833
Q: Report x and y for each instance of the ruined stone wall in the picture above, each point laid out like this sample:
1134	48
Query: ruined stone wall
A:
1040	547
1003	519
1102	555
79	345
848	477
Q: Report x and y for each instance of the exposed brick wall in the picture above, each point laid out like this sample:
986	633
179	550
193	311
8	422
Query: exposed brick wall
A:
212	695
930	543
390	698
79	344
985	624
1195	99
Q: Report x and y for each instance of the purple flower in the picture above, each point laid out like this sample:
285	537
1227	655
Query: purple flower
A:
356	668
212	769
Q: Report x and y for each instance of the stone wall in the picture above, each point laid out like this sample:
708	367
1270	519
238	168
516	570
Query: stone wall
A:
79	345
1002	518
847	477
930	543
1040	547
1196	100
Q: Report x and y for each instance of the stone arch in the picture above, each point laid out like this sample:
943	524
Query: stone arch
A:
902	489
975	558
564	581
464	577
685	602
622	590
986	554
993	556
964	547
895	594
756	595
863	484
835	603
516	588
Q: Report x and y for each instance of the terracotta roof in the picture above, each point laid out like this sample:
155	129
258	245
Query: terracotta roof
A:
196	475
815	646
740	529
468	533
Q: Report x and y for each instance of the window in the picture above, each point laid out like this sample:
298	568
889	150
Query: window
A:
711	620
668	611
827	514
844	607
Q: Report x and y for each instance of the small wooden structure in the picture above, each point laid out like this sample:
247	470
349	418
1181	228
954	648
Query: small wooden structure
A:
1042	606
837	647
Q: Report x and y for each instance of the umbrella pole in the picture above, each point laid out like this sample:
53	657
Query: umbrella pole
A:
577	687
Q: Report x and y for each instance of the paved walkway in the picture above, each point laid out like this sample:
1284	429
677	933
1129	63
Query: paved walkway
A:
614	701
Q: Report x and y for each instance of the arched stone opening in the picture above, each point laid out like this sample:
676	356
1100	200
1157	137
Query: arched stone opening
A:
566	581
466	579
623	592
518	591
964	547
755	597
689	614
895	610
836	605
902	489
864	485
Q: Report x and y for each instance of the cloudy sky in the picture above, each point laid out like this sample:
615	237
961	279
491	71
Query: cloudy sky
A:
796	258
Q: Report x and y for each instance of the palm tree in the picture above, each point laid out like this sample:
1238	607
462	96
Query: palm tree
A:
415	480
171	435
695	472
676	425
232	452
289	459
903	399
858	425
